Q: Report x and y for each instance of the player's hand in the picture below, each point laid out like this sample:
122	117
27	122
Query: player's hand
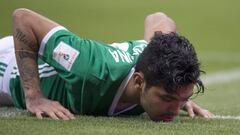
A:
193	109
41	106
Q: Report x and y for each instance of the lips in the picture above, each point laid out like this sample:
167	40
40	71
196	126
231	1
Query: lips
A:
167	118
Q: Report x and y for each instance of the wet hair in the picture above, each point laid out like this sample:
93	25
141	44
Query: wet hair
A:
170	61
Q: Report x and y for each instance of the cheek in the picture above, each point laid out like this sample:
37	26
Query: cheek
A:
160	107
146	103
154	106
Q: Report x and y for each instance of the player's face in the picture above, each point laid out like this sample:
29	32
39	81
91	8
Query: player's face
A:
162	106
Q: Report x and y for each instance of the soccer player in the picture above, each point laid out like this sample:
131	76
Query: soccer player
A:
62	73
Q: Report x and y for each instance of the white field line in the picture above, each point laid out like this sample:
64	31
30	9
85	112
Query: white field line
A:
228	117
221	78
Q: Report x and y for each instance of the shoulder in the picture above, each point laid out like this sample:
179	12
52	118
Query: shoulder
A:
125	46
6	44
7	39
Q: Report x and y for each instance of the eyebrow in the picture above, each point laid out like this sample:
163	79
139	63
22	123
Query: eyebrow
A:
176	97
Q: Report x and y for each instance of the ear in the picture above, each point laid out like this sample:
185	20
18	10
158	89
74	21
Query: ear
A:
138	80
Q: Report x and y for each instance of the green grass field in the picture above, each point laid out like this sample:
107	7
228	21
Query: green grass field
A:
212	27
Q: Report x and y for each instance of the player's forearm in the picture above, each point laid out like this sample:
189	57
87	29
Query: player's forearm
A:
26	50
27	64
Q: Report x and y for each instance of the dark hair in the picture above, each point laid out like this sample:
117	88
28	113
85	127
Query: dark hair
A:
170	61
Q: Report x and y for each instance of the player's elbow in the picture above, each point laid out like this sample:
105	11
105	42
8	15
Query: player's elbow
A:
159	21
156	16
20	15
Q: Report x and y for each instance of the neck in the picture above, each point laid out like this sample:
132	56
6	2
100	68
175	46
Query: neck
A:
130	94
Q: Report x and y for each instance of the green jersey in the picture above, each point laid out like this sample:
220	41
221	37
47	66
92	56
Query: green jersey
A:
85	76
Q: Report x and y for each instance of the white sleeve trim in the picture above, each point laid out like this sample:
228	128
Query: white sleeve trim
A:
47	36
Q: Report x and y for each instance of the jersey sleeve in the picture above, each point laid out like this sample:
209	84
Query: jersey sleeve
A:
73	56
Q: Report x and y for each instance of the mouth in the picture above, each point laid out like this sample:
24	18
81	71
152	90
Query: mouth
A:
167	118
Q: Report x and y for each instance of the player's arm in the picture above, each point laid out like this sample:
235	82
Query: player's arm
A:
29	28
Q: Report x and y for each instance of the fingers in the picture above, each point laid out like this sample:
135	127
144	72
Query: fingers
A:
211	115
39	115
67	113
62	115
55	114
59	112
205	114
190	112
52	109
202	112
193	109
188	107
63	112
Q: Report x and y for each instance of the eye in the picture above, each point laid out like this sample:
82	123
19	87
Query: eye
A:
167	98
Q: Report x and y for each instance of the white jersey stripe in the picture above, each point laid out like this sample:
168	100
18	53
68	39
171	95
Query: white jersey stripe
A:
48	35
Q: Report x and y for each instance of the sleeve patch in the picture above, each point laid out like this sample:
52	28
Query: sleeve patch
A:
65	55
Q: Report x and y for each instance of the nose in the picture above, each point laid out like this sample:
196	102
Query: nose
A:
176	106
